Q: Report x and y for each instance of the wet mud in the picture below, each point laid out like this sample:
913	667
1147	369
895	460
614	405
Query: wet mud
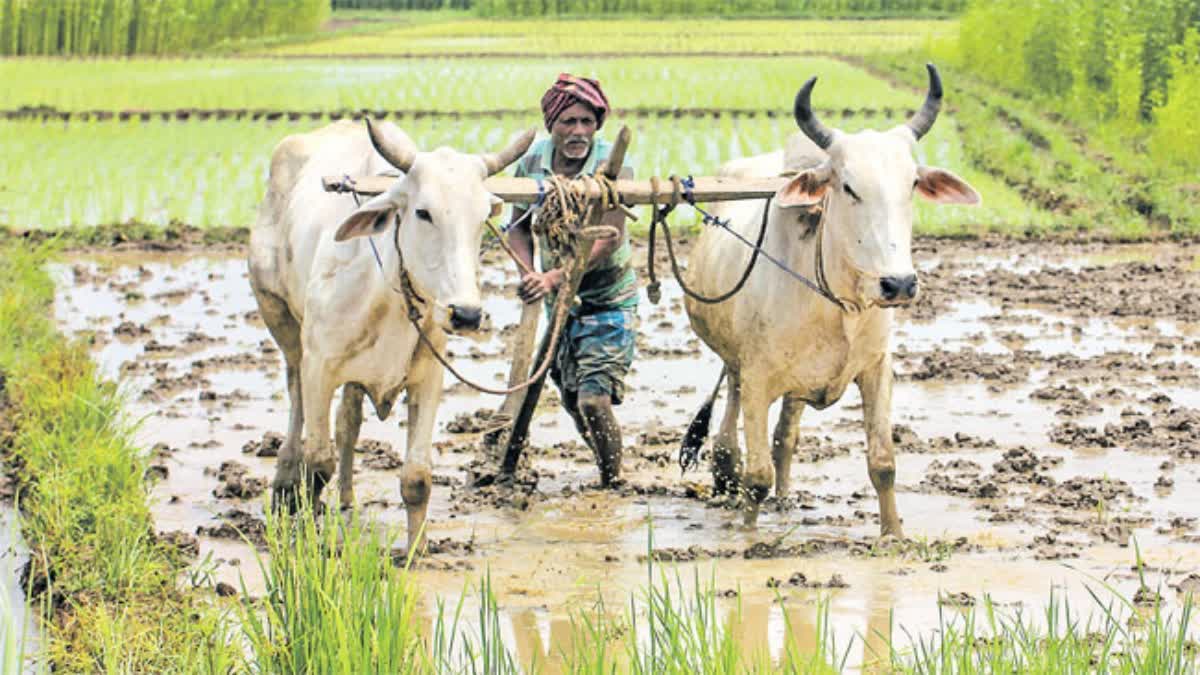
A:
1046	409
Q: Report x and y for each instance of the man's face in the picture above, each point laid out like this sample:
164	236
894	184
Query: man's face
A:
573	131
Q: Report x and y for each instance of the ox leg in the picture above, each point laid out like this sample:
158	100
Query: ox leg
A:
349	421
416	478
319	459
286	331
727	455
783	445
759	476
875	384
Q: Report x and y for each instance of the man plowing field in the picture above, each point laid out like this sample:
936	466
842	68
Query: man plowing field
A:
596	348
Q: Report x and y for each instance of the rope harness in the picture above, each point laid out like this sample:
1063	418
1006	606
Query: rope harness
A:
560	212
562	208
683	188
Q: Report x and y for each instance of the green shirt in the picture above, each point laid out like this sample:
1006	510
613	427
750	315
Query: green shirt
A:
611	283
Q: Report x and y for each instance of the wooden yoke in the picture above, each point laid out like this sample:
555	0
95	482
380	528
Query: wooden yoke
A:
707	188
575	266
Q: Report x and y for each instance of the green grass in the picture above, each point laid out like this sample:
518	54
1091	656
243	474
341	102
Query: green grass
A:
427	84
111	588
214	173
1096	182
630	36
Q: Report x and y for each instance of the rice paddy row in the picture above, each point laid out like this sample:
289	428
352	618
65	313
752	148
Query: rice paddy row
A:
431	84
213	173
472	38
48	114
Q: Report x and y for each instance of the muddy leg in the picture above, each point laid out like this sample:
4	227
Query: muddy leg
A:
349	421
759	476
570	403
416	478
319	460
726	453
783	445
875	383
286	331
605	433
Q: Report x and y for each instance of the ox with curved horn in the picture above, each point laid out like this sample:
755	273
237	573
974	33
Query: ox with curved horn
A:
397	148
922	120
355	332
780	341
807	121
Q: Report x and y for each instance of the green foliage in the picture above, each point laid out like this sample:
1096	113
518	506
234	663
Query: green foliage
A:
334	602
1176	135
111	586
128	27
1098	60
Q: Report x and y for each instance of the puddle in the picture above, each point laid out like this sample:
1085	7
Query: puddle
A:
990	367
18	630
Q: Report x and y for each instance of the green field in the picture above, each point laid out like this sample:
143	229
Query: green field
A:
214	173
590	37
433	84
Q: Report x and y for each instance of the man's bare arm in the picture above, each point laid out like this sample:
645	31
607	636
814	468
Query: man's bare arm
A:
615	218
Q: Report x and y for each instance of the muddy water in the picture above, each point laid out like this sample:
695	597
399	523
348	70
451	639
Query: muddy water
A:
1046	410
17	627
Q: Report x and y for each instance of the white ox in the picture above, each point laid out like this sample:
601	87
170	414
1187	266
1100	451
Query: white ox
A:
778	338
338	318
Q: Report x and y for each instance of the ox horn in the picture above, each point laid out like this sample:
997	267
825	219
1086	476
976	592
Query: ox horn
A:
811	126
397	148
496	161
922	120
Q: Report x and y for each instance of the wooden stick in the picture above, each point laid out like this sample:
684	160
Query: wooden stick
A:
519	434
708	188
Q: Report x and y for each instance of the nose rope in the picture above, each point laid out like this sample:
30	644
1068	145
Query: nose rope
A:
414	316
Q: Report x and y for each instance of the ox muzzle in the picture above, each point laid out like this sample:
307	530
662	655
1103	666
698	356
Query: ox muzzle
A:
898	290
465	317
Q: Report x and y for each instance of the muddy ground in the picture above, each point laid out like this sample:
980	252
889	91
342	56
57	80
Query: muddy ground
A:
1047	414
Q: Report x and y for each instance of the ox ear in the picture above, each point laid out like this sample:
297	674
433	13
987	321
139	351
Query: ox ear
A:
808	188
942	187
497	206
372	217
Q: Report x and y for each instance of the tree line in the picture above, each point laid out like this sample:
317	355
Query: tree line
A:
527	8
130	27
1131	63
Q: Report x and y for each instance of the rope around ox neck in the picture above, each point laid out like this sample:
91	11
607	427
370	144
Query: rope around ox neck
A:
653	291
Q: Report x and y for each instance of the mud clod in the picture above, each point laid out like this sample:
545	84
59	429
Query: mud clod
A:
236	483
267	446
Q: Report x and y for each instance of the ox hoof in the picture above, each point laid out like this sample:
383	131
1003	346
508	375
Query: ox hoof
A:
750	515
285	499
725	483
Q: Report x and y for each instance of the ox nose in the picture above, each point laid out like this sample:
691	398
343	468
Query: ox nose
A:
464	317
898	288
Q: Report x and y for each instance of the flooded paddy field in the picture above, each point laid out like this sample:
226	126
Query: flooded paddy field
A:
1046	412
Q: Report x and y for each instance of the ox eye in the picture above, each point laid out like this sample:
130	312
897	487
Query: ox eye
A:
424	215
851	192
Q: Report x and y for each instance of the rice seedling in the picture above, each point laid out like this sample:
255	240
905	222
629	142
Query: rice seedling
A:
591	37
212	173
429	84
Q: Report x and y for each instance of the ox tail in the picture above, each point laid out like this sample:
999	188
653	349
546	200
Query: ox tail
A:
697	431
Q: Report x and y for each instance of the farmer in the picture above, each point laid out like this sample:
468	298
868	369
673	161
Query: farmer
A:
596	347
